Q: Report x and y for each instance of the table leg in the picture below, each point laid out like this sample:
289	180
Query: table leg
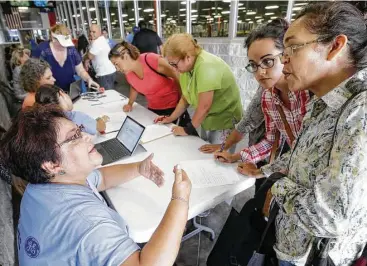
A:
199	228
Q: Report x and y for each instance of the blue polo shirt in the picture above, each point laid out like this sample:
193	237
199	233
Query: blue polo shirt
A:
71	225
80	118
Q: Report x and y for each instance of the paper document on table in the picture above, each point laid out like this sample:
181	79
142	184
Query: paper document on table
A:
210	173
153	132
116	120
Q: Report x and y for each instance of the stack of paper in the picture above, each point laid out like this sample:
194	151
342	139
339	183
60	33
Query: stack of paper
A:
210	173
155	131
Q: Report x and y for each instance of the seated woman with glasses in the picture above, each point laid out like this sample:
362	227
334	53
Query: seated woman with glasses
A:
283	110
150	75
208	85
63	218
51	94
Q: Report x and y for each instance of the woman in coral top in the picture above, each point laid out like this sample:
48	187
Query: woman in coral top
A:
148	74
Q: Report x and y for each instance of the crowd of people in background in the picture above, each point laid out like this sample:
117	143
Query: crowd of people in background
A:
307	121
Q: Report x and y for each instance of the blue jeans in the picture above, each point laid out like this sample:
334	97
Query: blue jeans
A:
107	81
285	263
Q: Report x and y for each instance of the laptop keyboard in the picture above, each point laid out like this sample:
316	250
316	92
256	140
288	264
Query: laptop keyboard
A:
115	149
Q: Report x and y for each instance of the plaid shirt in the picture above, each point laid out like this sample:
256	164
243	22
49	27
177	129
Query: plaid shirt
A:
273	122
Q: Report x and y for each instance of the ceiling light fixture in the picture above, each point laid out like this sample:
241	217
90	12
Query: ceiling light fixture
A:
271	7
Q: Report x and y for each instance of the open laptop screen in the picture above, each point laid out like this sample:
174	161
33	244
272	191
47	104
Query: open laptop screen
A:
130	133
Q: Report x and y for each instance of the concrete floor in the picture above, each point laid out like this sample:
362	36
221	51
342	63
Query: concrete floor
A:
200	244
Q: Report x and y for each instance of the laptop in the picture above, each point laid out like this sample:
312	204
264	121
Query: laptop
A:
75	90
124	144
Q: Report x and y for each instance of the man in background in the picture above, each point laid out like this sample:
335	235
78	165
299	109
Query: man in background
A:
146	40
130	36
98	53
110	42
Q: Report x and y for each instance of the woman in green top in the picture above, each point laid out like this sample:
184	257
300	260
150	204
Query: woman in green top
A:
208	85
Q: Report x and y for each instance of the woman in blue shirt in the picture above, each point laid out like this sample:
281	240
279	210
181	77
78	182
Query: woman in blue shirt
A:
64	59
51	94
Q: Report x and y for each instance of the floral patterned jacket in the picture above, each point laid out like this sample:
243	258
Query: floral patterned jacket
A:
325	191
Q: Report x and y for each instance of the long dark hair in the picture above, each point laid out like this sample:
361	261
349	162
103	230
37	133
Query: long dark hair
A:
82	44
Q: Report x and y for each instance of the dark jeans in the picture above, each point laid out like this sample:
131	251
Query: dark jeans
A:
184	119
107	81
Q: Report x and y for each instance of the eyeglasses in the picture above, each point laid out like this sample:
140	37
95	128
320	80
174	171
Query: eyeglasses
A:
289	51
175	65
266	63
77	135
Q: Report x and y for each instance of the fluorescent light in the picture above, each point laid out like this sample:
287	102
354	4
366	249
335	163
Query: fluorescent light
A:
138	9
131	19
241	8
85	23
269	14
182	15
150	15
251	22
76	16
297	8
239	21
194	16
226	1
65	19
148	10
240	4
151	21
84	8
226	12
225	20
140	19
300	4
271	7
204	9
169	18
183	9
124	21
258	17
250	13
194	11
259	21
112	14
113	23
92	9
273	17
22	8
217	16
163	15
124	15
269	21
105	19
248	19
292	19
219	8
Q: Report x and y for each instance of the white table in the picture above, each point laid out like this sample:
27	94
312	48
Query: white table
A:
140	202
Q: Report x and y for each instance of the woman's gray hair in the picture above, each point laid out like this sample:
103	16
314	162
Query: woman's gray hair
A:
31	74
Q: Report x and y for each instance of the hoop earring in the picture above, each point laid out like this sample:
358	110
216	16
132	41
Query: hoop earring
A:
62	172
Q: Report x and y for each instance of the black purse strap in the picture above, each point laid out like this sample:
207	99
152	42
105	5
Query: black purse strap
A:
154	70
